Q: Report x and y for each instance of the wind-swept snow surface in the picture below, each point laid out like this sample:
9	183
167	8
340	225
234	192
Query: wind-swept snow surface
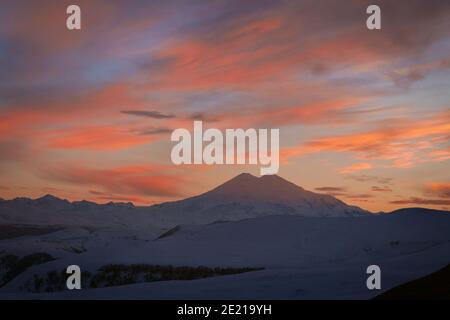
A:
303	257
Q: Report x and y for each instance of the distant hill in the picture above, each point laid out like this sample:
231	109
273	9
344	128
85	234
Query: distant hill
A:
433	286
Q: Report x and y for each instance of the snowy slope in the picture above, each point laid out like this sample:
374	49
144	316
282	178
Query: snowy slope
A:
339	280
289	247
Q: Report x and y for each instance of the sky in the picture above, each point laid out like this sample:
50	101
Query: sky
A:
363	114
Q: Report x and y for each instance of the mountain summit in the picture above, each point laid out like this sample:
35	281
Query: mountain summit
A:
246	196
271	188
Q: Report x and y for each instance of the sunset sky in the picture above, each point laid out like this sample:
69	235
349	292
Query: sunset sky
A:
363	115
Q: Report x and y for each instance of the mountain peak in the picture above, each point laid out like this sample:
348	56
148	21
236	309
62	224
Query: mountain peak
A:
248	177
266	179
50	199
244	176
268	188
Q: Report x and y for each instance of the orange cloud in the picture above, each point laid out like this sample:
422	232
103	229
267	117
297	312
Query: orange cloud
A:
80	123
381	189
104	103
145	180
100	138
439	189
356	167
439	155
314	112
395	140
308	113
422	201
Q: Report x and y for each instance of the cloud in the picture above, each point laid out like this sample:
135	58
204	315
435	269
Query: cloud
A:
89	106
396	140
381	189
243	50
422	201
439	155
332	191
369	178
156	131
146	180
405	77
200	116
438	189
356	167
96	138
344	193
238	45
316	107
150	114
359	196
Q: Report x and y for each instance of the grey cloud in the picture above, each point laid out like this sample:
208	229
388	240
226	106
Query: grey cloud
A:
202	117
330	189
366	178
422	201
156	131
150	114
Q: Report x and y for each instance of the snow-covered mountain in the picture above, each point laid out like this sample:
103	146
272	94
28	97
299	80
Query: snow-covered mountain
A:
50	210
247	196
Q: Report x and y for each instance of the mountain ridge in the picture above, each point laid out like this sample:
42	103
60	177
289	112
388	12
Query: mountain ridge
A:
242	197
